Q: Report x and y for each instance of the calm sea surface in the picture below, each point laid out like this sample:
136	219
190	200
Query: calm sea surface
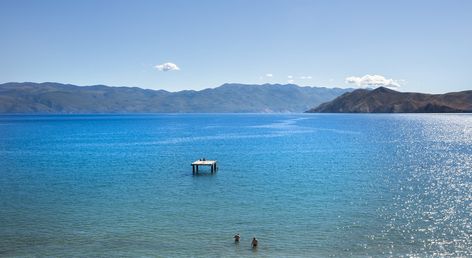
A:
304	185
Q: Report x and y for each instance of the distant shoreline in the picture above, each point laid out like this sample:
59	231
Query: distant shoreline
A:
227	98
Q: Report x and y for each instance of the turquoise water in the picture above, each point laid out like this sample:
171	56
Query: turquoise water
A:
304	185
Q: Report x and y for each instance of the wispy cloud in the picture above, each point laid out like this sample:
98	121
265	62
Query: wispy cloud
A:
373	80
167	67
290	79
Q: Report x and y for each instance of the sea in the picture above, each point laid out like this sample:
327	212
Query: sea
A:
305	185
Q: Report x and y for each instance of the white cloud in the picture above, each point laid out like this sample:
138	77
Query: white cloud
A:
303	77
290	77
167	67
269	75
372	80
290	81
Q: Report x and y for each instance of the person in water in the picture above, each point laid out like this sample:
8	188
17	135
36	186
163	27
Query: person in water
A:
254	242
236	238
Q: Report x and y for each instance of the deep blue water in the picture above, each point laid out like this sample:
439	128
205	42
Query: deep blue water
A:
304	185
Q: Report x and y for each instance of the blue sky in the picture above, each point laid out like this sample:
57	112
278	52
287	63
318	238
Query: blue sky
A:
423	46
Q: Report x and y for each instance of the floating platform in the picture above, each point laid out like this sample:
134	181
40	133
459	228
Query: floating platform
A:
211	163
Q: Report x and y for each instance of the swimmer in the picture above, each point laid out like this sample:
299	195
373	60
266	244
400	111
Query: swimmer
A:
254	242
236	237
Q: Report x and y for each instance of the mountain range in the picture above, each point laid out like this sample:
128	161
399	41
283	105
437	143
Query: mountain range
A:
28	97
384	100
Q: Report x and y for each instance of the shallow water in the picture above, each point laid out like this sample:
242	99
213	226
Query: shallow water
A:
304	185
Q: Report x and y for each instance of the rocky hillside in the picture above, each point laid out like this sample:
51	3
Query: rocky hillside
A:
383	100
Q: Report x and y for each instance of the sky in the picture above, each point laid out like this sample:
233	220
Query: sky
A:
422	46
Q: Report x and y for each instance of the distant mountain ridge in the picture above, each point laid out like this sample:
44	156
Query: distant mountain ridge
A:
384	100
60	98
